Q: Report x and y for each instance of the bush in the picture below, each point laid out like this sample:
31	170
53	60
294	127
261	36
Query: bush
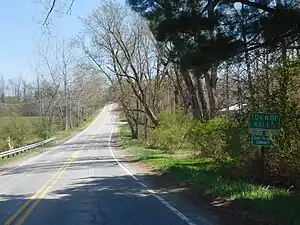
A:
218	138
43	128
173	129
209	139
223	138
18	130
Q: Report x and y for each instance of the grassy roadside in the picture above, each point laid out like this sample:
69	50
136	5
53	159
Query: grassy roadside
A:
208	176
61	136
64	135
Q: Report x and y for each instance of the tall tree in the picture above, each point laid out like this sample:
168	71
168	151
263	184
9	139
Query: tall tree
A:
204	34
124	50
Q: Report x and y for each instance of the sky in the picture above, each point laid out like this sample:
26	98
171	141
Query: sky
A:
21	32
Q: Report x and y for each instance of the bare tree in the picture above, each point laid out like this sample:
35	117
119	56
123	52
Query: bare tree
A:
65	64
2	89
124	50
48	85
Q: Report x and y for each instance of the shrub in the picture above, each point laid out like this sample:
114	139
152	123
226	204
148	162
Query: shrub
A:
44	128
209	139
218	138
173	129
18	130
41	129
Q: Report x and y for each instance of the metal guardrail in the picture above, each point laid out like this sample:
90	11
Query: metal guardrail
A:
16	151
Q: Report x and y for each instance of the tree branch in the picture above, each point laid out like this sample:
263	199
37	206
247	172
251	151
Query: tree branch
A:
50	11
70	7
52	8
257	5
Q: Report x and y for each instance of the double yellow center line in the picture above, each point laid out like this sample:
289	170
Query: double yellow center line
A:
25	210
35	199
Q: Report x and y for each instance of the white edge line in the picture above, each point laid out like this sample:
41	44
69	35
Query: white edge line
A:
163	201
54	148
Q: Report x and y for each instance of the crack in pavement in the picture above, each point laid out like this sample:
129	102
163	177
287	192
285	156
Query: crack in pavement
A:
104	219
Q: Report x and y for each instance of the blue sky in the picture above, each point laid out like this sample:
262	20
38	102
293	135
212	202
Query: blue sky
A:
21	32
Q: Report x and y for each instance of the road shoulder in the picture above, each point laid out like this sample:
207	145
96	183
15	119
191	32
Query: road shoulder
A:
177	195
175	186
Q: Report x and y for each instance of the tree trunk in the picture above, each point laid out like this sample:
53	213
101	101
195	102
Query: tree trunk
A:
134	134
70	120
24	93
66	103
250	82
145	126
145	121
210	83
201	95
39	96
176	96
137	118
191	89
78	114
248	65
140	96
61	117
70	111
179	86
227	89
131	123
283	52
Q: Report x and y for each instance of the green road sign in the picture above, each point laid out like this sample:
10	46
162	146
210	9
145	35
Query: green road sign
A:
262	140
260	123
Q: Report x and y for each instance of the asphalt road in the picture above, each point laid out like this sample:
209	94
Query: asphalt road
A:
83	182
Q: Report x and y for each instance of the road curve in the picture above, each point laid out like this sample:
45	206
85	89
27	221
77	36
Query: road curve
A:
83	182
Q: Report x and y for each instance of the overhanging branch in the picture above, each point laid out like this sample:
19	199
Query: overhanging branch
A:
50	11
53	4
257	5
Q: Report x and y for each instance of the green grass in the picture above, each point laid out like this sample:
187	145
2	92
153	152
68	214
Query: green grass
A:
209	176
60	136
29	123
4	120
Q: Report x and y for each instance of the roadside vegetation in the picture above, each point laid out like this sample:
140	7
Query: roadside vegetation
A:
186	77
64	96
16	131
61	136
216	178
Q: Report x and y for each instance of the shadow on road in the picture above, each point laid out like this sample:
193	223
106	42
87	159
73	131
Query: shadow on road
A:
109	200
95	200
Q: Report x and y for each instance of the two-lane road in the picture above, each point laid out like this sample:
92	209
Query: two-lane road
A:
82	182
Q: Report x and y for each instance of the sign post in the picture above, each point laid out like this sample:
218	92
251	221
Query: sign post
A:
262	162
262	126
